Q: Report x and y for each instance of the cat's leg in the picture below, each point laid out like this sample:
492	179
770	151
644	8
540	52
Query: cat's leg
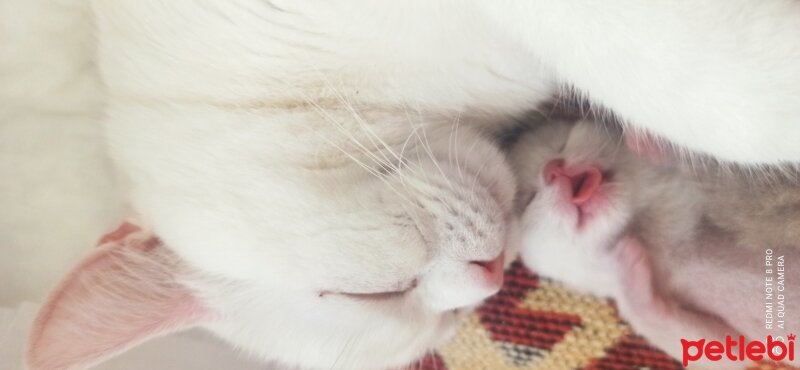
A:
669	326
714	76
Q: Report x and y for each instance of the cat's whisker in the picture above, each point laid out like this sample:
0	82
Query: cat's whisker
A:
452	145
369	169
477	176
352	157
365	126
458	161
366	151
324	114
415	133
402	155
427	148
372	171
344	350
471	148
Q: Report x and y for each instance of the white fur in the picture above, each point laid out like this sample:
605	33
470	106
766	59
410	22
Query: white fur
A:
257	136
714	76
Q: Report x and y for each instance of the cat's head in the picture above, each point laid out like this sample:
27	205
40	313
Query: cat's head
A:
315	252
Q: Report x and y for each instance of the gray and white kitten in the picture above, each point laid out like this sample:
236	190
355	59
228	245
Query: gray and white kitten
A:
686	255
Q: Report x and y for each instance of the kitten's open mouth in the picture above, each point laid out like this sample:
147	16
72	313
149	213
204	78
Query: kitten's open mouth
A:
580	186
584	185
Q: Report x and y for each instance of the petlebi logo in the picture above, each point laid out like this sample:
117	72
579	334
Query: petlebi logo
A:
776	347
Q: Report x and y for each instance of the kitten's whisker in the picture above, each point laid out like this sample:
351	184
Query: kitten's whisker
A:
619	145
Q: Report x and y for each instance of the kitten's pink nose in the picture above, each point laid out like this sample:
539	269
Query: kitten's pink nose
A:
553	170
583	181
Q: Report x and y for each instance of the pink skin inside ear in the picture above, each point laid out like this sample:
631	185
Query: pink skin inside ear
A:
122	231
122	294
583	181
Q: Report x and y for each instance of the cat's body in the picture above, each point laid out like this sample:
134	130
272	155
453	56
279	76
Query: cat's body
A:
244	129
659	240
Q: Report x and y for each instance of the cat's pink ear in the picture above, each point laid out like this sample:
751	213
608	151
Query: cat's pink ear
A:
124	293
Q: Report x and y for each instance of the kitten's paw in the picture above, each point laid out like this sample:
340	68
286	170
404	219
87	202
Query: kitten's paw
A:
635	275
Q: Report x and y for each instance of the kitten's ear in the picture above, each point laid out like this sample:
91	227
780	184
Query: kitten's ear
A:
121	295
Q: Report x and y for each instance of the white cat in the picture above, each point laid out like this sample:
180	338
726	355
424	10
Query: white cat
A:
324	169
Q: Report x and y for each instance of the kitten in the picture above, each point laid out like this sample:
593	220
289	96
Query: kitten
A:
657	239
330	163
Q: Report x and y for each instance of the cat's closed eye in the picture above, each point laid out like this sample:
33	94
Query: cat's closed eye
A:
374	295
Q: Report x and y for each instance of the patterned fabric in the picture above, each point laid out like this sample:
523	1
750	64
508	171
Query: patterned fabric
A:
536	324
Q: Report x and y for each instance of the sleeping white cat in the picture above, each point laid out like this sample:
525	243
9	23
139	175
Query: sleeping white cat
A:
329	163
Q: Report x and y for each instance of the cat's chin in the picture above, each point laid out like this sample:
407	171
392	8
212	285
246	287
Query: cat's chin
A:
302	346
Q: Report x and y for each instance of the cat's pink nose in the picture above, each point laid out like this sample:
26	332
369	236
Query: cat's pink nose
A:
492	271
583	180
454	284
